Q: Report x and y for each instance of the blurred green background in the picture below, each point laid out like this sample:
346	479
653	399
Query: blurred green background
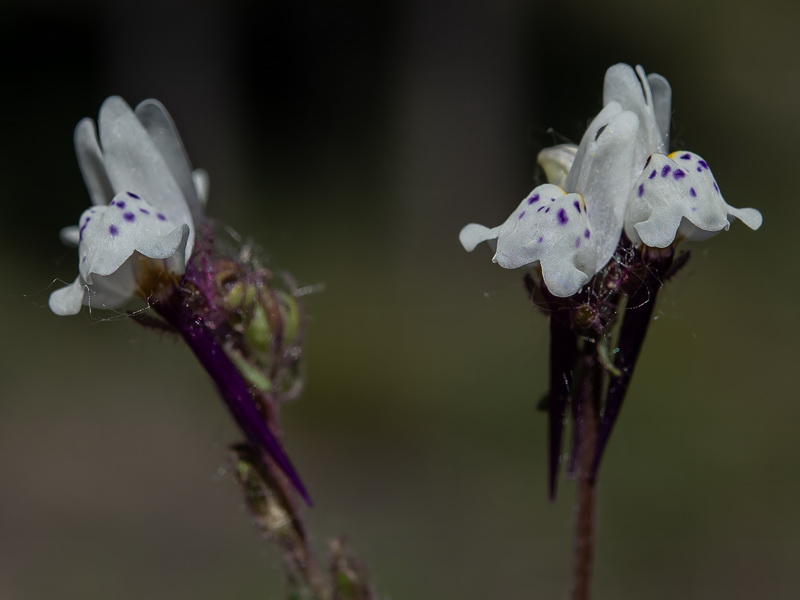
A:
352	140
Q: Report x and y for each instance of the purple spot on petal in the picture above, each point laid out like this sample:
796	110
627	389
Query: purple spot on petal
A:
113	230
699	170
541	208
578	242
665	171
520	215
532	199
694	209
144	211
161	217
552	199
587	234
686	156
563	219
132	195
679	174
129	217
716	187
693	193
120	204
540	240
652	175
641	190
703	164
577	206
547	210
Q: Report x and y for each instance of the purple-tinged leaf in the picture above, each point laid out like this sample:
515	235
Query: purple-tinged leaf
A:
231	384
563	354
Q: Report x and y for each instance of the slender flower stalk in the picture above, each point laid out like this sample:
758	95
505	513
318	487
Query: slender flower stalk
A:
601	238
139	241
271	504
586	424
146	239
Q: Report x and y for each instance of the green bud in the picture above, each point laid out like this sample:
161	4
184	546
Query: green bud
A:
257	331
291	316
234	298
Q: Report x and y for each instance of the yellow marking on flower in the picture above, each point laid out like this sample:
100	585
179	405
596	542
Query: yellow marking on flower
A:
153	278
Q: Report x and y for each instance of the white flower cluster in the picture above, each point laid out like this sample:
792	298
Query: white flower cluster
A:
618	178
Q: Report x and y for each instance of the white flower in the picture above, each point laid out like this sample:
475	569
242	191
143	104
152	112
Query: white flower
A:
608	171
676	196
549	226
146	202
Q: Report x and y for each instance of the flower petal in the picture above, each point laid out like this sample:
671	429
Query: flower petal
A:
662	104
118	288
634	94
603	173
581	167
159	125
70	236
201	185
90	160
556	162
622	86
111	234
473	234
135	165
114	290
176	262
550	227
68	300
677	195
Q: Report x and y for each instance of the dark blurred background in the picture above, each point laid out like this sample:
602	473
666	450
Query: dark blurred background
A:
352	140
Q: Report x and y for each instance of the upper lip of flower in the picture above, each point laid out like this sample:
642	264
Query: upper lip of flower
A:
633	124
138	167
141	153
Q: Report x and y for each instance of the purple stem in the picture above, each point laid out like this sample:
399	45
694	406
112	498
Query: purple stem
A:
563	354
232	386
586	401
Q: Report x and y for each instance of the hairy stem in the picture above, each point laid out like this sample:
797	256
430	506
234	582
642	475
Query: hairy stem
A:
277	516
